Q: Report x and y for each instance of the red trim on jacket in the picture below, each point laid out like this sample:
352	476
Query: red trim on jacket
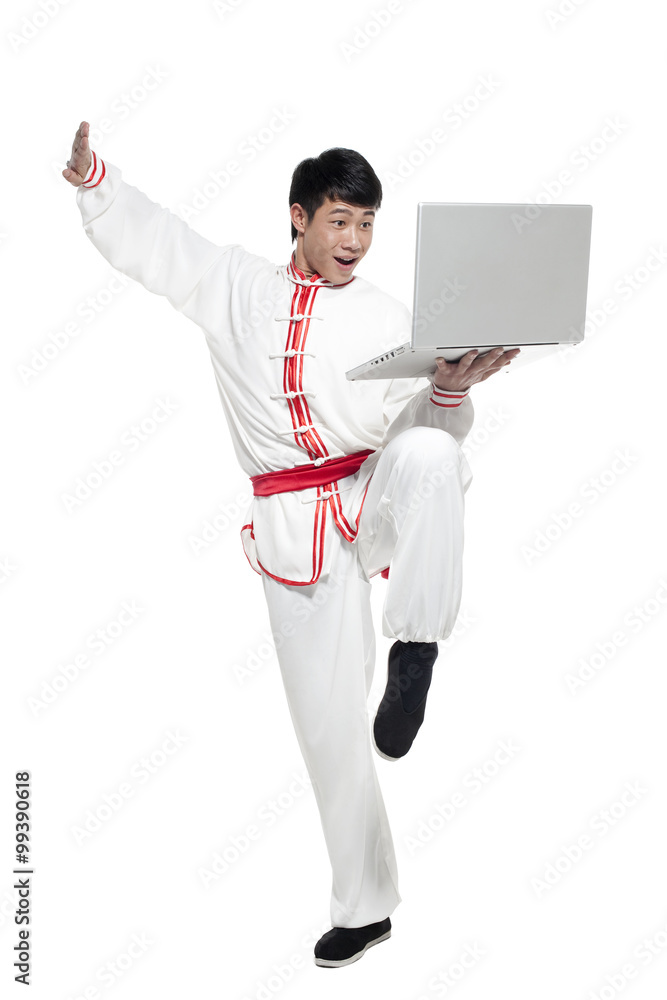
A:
301	301
88	183
318	549
344	526
309	440
296	274
301	331
252	535
446	394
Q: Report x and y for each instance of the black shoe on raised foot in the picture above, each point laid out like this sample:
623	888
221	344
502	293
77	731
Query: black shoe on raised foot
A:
343	945
401	711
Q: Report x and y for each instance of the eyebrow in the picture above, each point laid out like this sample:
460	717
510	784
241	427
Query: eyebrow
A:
348	211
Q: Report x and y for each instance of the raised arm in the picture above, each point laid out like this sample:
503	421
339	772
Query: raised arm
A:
144	240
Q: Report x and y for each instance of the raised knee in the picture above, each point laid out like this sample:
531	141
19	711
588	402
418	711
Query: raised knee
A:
430	446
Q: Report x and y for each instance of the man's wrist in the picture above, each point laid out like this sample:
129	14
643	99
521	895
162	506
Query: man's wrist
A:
447	397
96	171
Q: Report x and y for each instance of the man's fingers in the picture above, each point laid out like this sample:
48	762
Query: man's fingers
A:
467	360
478	365
81	138
72	176
80	147
492	356
79	160
471	367
502	362
495	359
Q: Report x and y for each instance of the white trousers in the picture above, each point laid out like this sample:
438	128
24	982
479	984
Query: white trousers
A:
413	518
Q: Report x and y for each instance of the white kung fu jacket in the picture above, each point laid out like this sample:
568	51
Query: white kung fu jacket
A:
280	344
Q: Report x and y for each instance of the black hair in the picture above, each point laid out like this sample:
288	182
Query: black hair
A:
338	174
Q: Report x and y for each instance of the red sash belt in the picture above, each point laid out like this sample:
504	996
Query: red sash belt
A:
303	477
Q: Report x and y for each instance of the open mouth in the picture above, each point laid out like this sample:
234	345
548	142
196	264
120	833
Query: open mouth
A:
346	262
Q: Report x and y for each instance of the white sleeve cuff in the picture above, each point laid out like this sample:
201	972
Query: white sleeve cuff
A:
96	171
447	397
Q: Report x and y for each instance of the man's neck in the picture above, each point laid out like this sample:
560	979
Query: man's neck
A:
301	264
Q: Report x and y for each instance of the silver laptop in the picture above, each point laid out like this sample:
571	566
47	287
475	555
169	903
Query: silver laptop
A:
492	275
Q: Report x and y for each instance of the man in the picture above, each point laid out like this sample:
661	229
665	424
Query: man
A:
348	478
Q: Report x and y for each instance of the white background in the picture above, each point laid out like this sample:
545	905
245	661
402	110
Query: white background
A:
532	610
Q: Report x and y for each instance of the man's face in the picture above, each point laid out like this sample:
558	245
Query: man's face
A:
338	232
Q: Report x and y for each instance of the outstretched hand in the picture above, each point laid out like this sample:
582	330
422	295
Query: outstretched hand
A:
462	374
78	164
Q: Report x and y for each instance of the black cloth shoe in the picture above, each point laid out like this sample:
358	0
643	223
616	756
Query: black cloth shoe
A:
343	945
401	711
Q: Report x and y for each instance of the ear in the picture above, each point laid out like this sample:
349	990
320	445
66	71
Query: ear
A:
299	217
